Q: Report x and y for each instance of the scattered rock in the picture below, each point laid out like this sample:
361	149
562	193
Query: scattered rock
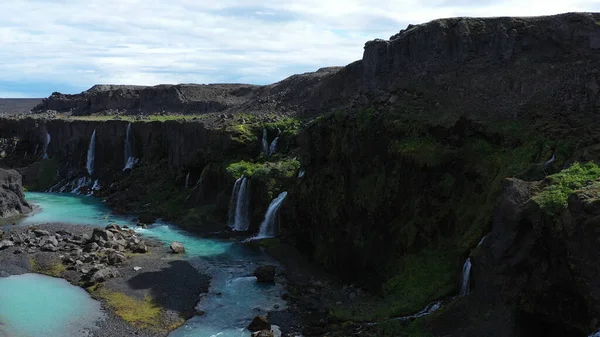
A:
103	275
101	235
259	323
48	247
41	232
115	258
5	244
177	248
18	251
113	228
139	248
265	274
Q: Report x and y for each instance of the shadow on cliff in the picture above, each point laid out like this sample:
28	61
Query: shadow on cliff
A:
176	287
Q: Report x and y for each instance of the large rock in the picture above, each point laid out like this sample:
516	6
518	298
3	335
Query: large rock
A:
5	244
265	274
177	248
263	333
102	235
259	323
12	198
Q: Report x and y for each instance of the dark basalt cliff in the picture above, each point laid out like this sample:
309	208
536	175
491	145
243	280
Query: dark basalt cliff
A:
12	199
393	165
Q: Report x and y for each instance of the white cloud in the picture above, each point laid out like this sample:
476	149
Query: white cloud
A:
174	41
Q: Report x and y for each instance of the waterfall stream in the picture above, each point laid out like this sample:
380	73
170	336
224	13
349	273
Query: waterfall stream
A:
45	147
268	228
465	287
91	154
239	207
130	160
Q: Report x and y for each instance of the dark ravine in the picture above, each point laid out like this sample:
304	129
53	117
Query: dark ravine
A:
404	155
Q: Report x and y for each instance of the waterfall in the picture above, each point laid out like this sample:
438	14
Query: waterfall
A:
265	143
130	160
481	241
45	147
187	181
466	278
301	173
233	201
37	146
239	207
595	334
268	228
273	146
91	154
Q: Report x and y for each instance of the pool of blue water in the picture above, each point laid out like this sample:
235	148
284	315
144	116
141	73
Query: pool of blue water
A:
234	297
34	305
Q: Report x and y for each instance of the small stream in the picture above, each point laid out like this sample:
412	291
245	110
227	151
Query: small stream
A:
234	297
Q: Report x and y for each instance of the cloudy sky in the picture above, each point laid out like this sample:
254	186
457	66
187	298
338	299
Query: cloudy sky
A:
69	45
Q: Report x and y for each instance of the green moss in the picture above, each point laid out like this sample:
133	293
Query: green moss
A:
424	150
44	173
243	133
560	185
199	215
284	124
56	269
285	168
144	313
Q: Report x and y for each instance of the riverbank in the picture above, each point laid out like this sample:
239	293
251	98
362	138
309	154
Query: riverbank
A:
149	295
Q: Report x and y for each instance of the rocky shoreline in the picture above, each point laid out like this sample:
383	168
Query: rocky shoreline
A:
125	273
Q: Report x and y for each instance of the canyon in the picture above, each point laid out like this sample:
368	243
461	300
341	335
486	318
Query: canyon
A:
396	169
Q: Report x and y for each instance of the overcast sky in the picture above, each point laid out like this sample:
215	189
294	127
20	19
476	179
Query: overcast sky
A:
69	45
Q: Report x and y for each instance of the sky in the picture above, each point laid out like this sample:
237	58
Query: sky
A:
70	45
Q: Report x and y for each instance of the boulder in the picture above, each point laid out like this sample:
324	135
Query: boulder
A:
259	323
113	227
102	275
139	248
146	219
101	235
1	233
263	333
48	247
5	244
177	248
41	232
265	274
115	258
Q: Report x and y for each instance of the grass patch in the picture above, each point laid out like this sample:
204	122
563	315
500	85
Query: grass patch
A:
422	150
55	270
144	313
554	196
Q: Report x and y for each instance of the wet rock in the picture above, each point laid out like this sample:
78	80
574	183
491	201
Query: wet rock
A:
263	333
259	323
265	274
146	219
113	228
177	248
5	244
139	249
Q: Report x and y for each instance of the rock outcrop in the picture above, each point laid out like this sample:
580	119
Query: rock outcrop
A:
12	199
265	274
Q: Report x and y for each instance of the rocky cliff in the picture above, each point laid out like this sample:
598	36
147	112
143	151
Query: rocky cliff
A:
12	199
403	155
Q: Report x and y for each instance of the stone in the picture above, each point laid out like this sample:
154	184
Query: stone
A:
101	235
48	247
104	274
1	233
18	251
4	273
139	249
146	219
136	268
52	240
265	274
263	333
259	323
115	258
5	244
113	228
177	248
91	247
41	232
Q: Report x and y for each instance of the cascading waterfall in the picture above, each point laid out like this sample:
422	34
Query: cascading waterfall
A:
273	146
268	228
301	173
239	207
45	148
233	201
130	160
465	287
91	154
265	143
187	181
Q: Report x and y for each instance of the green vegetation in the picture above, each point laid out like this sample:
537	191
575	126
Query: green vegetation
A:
286	168
56	269
142	313
554	196
423	150
41	175
132	118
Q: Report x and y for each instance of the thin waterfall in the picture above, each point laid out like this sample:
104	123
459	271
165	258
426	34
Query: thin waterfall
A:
481	241
37	147
187	181
233	201
268	228
45	147
265	142
301	173
130	160
91	154
242	208
273	146
465	287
